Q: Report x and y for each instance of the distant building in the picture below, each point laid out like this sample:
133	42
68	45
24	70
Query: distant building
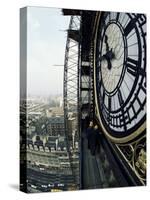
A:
72	127
49	166
55	126
54	112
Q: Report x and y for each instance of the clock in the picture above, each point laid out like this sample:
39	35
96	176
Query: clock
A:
120	74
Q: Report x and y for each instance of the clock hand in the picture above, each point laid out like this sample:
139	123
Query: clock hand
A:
108	56
109	64
105	56
106	42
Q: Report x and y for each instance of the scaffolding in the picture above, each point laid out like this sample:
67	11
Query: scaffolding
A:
71	89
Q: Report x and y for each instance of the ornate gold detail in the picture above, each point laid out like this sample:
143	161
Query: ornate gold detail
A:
141	162
135	155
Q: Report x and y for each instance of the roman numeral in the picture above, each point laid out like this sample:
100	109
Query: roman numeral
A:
109	103
120	98
128	115
119	121
113	122
133	109
132	66
109	109
131	25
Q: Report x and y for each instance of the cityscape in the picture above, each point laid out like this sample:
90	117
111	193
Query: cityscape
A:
49	166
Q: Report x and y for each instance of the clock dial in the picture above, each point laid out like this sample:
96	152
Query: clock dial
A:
121	72
112	57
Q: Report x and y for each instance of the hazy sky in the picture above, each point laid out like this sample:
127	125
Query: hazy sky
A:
46	43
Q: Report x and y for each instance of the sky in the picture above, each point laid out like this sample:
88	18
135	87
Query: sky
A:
46	41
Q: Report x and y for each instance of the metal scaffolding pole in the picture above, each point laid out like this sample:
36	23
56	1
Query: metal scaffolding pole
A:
71	90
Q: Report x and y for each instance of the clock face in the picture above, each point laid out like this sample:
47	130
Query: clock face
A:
111	69
121	72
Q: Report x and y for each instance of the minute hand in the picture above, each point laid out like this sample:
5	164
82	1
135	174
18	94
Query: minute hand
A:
106	42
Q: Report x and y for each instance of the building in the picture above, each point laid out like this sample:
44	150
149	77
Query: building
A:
54	111
48	168
55	126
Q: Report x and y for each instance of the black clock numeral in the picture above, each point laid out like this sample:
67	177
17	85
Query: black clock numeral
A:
128	115
116	121
120	121
109	109
133	109
132	66
123	119
109	103
131	25
113	122
120	98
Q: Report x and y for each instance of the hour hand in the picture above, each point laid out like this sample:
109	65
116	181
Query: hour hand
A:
109	64
108	56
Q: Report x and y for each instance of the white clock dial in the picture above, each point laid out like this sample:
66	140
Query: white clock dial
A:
115	42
